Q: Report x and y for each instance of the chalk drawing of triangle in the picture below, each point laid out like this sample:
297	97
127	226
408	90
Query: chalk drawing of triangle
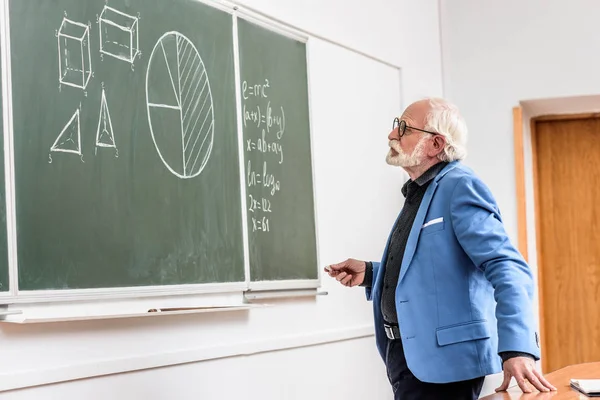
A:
69	139
104	135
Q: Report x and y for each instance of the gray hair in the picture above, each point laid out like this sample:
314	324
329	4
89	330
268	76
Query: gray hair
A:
445	119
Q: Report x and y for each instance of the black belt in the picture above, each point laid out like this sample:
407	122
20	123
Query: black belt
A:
392	331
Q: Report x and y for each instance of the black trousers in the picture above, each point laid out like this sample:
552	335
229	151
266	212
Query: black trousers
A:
407	387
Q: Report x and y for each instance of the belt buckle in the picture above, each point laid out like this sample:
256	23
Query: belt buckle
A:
389	332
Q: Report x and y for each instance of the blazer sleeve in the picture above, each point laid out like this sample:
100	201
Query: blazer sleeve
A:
479	229
369	289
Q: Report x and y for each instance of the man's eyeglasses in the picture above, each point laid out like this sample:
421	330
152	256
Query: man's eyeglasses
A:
401	126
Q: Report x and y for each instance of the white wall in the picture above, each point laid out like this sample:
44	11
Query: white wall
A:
357	199
497	54
340	370
402	32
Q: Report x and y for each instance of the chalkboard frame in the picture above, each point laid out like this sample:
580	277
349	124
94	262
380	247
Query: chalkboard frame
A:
14	295
8	146
286	31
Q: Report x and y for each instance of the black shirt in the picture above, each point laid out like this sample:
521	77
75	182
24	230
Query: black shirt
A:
413	192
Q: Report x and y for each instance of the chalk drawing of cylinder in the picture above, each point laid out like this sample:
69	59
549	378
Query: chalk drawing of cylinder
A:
119	35
74	57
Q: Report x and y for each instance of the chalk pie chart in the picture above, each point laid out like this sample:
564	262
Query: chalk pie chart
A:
180	105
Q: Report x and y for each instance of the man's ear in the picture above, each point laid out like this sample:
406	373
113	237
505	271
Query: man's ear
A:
438	144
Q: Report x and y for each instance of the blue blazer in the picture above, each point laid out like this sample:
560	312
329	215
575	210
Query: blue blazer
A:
464	293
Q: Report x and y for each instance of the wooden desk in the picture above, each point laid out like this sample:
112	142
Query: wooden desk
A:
560	379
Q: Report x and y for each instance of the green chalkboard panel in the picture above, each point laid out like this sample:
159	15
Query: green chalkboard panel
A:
126	152
277	155
4	285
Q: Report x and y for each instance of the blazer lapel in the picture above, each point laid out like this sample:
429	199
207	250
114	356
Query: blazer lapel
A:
415	231
413	237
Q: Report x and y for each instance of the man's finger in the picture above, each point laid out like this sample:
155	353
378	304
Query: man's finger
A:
339	266
346	280
543	380
341	276
533	379
522	382
334	267
505	383
331	272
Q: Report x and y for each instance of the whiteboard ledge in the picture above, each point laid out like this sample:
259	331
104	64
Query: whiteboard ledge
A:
44	296
24	319
281	294
284	284
4	313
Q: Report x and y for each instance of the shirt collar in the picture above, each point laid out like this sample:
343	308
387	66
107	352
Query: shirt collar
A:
425	177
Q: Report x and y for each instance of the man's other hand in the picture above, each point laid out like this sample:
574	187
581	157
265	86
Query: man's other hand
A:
523	370
349	273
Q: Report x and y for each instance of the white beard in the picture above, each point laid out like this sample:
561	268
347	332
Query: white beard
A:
401	159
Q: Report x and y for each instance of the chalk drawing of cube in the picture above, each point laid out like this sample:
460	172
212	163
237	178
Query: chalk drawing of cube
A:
74	57
119	35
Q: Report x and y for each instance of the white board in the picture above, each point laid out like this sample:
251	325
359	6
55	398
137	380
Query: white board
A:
354	99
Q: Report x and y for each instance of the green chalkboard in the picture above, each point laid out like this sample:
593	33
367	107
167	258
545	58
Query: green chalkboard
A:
4	285
277	155
125	146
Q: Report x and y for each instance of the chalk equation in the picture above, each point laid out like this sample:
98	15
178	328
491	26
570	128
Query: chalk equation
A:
264	129
263	145
264	179
265	117
256	90
260	224
261	204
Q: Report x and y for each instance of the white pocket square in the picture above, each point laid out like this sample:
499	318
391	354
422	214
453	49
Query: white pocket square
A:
433	222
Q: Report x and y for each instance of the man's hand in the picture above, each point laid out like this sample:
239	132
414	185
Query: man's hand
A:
523	370
349	273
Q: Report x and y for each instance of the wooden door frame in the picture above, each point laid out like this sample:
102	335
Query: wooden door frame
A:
525	145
